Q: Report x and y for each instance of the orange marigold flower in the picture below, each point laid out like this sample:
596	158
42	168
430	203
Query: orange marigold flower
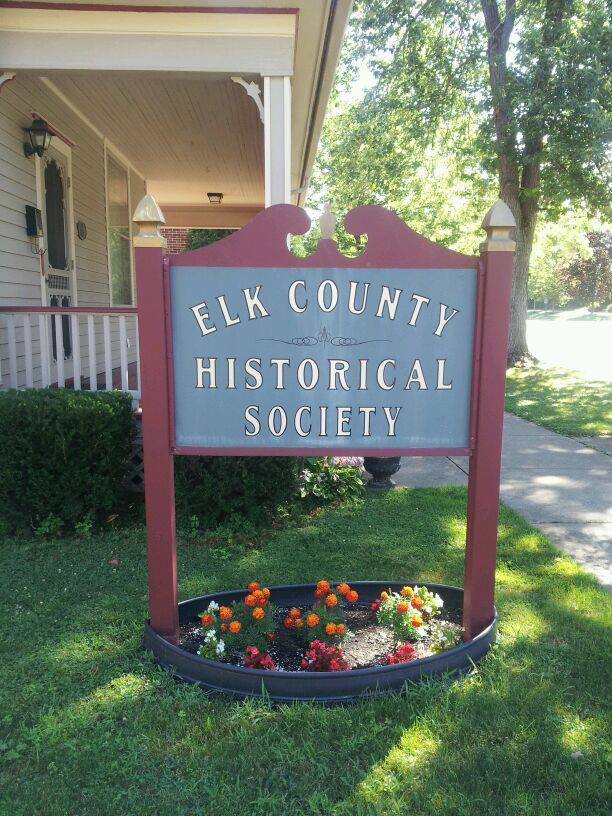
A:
288	622
235	627
253	586
384	596
323	586
331	600
416	602
407	591
266	593
225	613
416	621
343	589
352	596
298	622
294	612
312	620
250	600
330	629
258	613
206	619
340	628
319	592
402	607
260	598
224	627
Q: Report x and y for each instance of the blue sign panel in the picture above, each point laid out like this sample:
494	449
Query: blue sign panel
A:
322	358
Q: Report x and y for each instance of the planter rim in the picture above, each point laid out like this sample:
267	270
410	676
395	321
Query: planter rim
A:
298	676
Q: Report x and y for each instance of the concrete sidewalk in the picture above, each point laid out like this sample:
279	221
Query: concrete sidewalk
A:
562	486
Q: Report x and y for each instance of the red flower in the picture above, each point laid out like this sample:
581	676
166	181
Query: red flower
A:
254	659
324	658
402	654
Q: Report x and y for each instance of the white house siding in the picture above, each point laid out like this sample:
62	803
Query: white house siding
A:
19	266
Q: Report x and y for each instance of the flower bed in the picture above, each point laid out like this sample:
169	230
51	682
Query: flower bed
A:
333	633
320	642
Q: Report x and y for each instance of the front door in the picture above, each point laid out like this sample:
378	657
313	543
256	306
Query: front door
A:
56	213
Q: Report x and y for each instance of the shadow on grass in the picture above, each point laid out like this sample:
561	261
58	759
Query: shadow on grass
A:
105	732
560	400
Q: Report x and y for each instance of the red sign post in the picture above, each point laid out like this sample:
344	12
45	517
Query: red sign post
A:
392	249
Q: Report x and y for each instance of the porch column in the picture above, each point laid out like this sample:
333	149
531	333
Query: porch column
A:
277	136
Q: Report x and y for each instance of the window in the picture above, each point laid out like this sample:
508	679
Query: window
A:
55	212
119	248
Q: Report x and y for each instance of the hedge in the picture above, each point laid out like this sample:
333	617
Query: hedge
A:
64	455
64	459
214	488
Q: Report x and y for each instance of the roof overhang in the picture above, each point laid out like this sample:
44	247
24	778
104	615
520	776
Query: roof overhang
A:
297	38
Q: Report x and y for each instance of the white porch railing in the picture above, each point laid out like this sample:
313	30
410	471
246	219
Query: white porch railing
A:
74	347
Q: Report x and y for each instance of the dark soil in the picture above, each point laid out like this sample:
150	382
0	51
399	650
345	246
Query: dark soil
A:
369	644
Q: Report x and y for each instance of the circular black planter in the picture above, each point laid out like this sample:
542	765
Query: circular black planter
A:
323	687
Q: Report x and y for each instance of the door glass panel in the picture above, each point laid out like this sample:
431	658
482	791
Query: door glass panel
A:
119	234
55	213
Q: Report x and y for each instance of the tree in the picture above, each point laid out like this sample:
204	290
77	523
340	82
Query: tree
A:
517	95
557	244
589	280
203	237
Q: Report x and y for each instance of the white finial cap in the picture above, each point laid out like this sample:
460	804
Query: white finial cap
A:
499	225
149	218
327	222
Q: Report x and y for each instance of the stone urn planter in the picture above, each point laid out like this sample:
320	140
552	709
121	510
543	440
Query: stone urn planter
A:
381	468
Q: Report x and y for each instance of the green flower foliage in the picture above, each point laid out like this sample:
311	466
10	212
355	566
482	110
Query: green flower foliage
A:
325	480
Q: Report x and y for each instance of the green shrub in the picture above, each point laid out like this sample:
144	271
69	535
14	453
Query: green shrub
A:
328	479
63	458
215	489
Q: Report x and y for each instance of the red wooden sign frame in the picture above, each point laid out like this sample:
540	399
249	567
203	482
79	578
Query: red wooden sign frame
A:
264	243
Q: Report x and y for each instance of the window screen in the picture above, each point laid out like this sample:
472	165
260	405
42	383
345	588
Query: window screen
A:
55	215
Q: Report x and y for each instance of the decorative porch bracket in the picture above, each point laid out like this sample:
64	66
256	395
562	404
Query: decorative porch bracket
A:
254	91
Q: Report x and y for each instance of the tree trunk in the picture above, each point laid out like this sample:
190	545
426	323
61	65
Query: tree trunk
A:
525	228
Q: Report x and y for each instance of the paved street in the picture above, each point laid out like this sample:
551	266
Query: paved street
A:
574	340
562	486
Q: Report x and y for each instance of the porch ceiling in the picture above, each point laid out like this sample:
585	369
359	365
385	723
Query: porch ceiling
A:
187	136
188	130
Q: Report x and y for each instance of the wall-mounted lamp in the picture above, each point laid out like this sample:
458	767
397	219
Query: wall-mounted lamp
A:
39	137
215	198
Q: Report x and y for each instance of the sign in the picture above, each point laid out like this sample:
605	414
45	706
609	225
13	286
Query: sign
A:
246	349
322	358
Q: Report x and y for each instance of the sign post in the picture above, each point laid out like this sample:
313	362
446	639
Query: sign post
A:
491	351
249	350
149	246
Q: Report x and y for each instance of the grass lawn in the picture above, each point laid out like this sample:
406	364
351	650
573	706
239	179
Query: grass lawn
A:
560	400
90	726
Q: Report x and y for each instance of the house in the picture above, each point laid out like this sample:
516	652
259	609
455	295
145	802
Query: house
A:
215	109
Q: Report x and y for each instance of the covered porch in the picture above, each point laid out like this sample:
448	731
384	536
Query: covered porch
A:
214	111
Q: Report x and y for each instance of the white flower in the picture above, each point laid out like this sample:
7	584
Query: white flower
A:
210	635
220	647
438	601
428	609
213	606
